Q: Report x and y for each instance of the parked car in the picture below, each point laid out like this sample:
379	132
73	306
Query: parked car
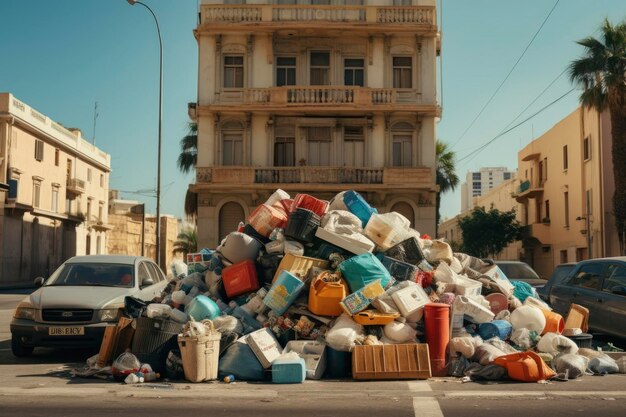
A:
600	286
80	299
558	275
520	271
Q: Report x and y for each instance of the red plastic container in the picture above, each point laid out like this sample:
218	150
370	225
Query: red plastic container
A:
308	202
266	218
240	278
437	321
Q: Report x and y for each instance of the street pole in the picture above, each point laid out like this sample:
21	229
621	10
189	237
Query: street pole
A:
158	190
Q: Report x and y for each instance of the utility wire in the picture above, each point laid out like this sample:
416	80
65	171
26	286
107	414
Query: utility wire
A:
482	147
507	76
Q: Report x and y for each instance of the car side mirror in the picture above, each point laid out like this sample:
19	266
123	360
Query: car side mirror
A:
39	281
147	282
619	290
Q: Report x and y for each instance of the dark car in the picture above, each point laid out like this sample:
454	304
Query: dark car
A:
520	271
600	286
558	275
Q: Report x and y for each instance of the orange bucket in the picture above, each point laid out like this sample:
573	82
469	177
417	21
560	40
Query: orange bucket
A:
554	322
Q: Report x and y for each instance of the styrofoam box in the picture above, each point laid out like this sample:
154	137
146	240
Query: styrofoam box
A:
313	353
467	286
351	245
410	299
265	346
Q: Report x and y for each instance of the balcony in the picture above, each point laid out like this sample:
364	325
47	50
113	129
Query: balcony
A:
75	186
219	18
326	98
313	178
528	189
539	231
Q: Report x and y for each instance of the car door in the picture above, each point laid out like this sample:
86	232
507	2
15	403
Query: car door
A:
581	288
145	273
612	301
160	279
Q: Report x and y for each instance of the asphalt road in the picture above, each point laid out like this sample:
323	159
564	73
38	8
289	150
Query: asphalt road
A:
43	385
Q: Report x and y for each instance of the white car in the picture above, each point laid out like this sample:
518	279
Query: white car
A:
80	299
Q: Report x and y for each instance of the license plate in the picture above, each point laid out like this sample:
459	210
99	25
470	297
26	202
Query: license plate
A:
66	331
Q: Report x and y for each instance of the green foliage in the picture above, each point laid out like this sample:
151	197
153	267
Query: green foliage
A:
188	156
187	241
447	180
486	233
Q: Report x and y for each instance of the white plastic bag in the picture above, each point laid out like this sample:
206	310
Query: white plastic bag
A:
465	345
545	344
399	331
341	222
344	334
570	366
603	364
439	251
486	354
563	344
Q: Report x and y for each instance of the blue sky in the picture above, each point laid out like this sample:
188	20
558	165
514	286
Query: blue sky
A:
64	55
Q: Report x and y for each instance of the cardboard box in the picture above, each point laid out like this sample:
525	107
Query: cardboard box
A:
361	299
265	346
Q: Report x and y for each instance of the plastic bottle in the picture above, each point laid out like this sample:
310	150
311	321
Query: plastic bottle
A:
151	376
230	378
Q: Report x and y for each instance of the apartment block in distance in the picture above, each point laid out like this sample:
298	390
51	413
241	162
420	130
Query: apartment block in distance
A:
315	97
478	183
56	203
565	192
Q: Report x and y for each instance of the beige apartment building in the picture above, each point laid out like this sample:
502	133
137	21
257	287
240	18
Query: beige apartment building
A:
315	96
55	206
565	191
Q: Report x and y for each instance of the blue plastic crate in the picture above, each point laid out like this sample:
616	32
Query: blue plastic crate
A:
288	371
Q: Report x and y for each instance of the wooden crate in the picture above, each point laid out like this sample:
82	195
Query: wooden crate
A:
406	361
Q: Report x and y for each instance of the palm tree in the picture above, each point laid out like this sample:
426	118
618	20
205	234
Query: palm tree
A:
187	241
447	180
189	149
601	73
187	161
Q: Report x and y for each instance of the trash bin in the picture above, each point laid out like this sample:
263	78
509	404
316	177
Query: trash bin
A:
200	355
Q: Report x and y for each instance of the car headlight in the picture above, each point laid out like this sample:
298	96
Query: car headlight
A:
24	311
109	314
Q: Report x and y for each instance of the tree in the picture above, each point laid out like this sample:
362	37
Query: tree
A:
187	241
447	180
601	73
187	161
486	233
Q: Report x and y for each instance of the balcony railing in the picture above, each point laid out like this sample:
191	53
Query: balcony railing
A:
412	17
528	189
75	185
399	177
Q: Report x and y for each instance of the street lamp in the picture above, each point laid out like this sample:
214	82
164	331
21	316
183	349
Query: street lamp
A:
158	191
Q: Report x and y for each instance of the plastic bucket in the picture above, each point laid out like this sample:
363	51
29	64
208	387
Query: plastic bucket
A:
497	328
554	322
497	302
200	355
437	322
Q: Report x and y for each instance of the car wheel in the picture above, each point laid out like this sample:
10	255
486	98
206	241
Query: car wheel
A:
18	348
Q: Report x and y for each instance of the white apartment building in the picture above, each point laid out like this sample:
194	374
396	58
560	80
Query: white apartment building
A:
478	183
315	96
56	203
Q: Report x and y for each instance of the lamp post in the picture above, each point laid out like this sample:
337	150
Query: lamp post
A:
158	190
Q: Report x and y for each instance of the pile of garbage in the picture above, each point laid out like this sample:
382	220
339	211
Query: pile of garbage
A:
311	289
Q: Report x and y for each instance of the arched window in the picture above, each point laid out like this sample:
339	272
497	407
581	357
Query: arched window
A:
406	210
230	215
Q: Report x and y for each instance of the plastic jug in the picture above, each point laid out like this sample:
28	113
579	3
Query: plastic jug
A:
386	229
326	294
358	206
528	317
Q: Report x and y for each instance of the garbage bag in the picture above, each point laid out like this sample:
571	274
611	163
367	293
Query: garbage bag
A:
360	270
522	290
341	222
174	365
564	344
126	363
399	332
439	251
524	338
476	371
487	353
545	343
465	345
239	360
344	334
570	366
603	364
457	366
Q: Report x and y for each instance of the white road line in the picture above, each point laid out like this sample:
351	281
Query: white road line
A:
424	406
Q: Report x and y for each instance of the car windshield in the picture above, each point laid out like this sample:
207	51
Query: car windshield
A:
518	271
93	274
561	273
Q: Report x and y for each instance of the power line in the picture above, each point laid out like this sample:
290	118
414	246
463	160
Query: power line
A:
480	149
507	76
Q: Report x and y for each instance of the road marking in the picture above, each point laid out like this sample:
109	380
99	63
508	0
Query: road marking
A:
419	386
424	406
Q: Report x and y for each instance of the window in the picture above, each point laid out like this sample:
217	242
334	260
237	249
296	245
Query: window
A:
285	71
402	150
476	176
36	193
476	186
588	276
565	162
547	213
56	157
586	149
54	204
507	176
543	171
102	180
566	208
353	72
233	149
155	272
143	273
233	71
615	277
89	209
318	143
581	254
320	2
284	151
353	146
320	68
402	70
38	150
88	174
402	2
564	256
